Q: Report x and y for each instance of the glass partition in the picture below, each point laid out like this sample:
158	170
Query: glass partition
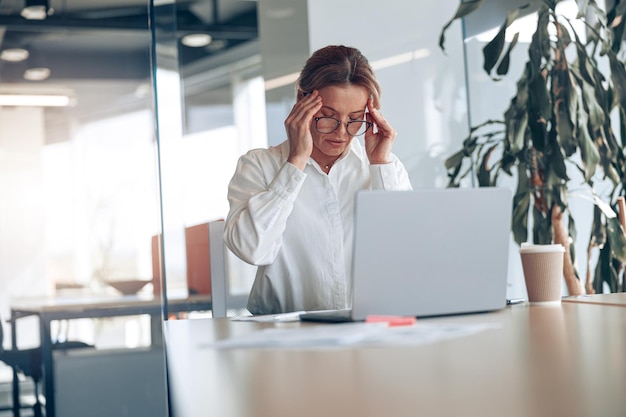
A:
80	202
78	173
225	86
210	109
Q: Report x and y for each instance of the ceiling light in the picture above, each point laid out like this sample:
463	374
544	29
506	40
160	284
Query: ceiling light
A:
37	74
35	10
36	100
14	55
197	40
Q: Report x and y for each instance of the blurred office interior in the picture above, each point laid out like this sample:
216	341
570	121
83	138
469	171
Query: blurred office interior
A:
149	105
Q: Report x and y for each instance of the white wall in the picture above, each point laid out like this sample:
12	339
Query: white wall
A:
423	95
21	204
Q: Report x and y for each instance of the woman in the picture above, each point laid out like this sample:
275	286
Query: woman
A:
291	206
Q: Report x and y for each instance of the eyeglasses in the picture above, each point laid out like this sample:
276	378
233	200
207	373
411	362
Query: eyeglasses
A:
330	124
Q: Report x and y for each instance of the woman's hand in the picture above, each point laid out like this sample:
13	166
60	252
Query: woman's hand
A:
298	127
380	138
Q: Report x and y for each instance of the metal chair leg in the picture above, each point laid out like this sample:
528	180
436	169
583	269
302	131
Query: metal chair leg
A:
37	406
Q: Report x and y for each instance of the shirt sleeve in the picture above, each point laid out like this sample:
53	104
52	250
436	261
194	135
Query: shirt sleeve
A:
259	210
391	176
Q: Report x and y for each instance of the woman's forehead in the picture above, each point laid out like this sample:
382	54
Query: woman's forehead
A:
348	98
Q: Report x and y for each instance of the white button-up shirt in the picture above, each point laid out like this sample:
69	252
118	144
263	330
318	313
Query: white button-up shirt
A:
297	226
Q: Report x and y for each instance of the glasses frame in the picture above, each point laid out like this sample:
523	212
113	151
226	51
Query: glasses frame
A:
367	124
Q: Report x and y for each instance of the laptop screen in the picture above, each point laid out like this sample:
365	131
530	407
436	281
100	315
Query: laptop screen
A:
430	252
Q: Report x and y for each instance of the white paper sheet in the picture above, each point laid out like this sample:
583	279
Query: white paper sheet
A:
271	318
349	335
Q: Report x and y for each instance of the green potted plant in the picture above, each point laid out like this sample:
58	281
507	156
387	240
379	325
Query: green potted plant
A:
558	134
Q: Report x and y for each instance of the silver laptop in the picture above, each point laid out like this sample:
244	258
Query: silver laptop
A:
428	252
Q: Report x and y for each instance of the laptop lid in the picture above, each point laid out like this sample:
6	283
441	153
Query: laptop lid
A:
430	252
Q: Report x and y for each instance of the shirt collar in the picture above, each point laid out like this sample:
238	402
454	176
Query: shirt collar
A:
357	149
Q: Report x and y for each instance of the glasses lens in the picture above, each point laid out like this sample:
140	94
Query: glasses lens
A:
357	128
326	124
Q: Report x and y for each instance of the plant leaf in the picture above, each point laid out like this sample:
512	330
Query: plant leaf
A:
517	122
516	117
602	270
539	97
588	151
493	49
617	239
571	228
542	227
563	98
503	67
539	104
455	160
618	77
465	8
605	271
605	208
584	66
484	172
540	43
565	128
595	111
507	162
592	119
556	160
598	233
521	204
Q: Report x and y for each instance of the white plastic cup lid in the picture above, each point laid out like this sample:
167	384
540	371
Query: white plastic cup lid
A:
531	248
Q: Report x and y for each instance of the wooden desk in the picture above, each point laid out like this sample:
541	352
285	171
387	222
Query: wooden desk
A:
50	309
539	361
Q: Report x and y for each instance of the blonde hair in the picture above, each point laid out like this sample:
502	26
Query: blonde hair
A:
338	65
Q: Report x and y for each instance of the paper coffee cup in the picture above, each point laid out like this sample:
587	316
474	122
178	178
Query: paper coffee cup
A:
543	272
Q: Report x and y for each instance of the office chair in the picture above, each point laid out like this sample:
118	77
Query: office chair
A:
224	267
210	267
28	363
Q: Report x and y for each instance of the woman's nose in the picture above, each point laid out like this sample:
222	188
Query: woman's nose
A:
343	128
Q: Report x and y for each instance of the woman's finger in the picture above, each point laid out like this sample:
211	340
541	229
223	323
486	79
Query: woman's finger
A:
305	108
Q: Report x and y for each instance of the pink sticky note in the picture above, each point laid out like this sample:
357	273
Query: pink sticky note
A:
391	320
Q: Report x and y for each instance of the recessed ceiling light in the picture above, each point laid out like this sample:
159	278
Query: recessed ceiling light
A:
36	10
34	13
37	74
197	40
14	55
